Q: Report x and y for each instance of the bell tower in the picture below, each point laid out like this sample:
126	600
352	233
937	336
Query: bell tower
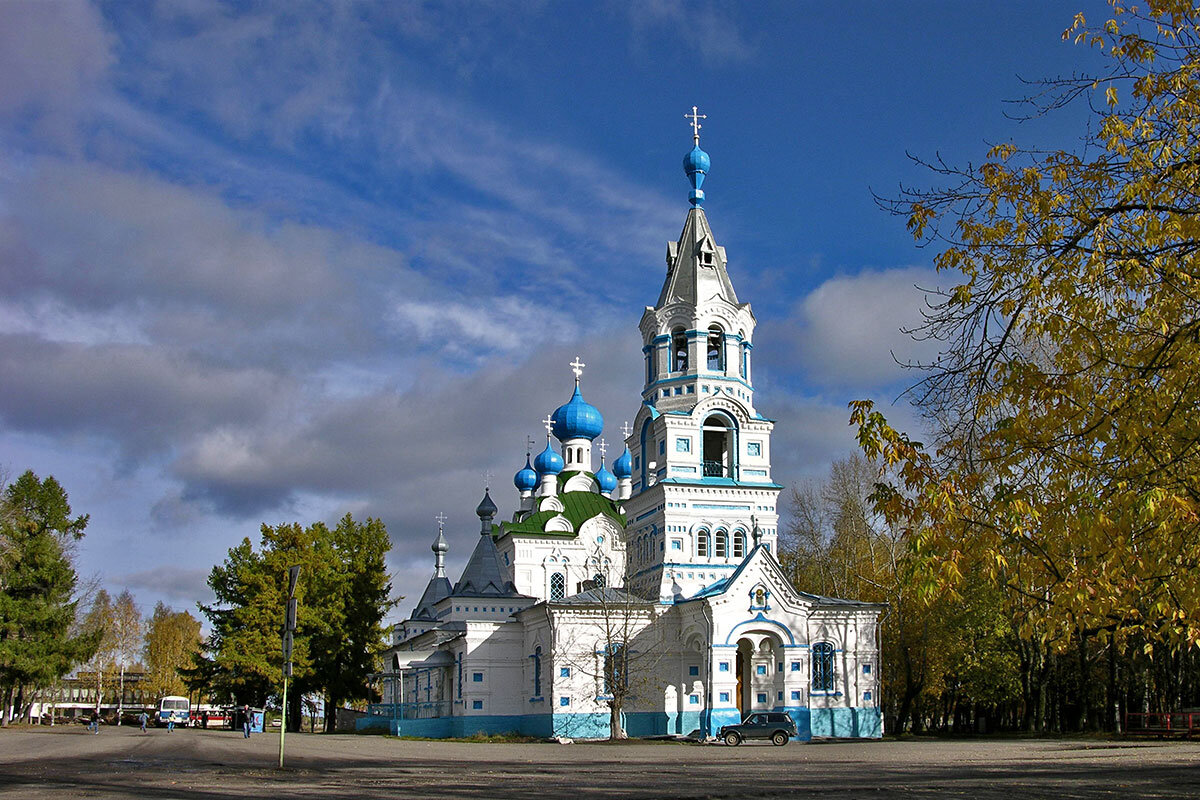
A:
701	471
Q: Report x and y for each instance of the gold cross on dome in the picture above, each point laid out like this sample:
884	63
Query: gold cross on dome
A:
441	521
696	126
577	367
549	423
626	429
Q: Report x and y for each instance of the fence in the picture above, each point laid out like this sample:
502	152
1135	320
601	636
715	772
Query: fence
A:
428	710
1174	723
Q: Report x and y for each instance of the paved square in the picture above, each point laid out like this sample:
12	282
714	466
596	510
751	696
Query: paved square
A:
123	763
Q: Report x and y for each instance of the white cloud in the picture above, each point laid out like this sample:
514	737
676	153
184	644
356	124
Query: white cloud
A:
54	56
848	332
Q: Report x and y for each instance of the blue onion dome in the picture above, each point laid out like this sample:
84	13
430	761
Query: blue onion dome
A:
578	419
548	462
606	479
623	466
695	164
486	507
526	479
696	161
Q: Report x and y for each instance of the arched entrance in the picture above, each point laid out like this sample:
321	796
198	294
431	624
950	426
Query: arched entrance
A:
759	679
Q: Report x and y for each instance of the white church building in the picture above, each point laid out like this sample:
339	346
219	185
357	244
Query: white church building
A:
652	585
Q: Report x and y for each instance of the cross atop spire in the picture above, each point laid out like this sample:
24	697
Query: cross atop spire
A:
549	423
441	521
487	479
577	367
696	126
626	429
529	443
602	446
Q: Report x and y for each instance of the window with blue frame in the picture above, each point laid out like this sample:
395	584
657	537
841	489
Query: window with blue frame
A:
866	669
762	697
564	701
558	586
662	447
683	444
693	671
866	695
795	695
723	666
477	677
724	697
761	669
753	448
693	700
614	667
822	667
477	704
537	672
564	672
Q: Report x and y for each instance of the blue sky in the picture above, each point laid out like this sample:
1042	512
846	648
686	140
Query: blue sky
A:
264	262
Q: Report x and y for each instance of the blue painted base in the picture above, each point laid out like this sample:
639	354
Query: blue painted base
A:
849	723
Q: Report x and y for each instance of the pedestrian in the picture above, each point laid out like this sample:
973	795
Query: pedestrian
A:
94	725
245	722
143	718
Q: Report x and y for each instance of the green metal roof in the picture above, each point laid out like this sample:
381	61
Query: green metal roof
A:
578	508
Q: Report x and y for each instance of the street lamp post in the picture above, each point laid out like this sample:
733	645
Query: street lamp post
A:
289	629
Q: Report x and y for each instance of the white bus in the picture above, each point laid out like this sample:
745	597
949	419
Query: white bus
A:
173	708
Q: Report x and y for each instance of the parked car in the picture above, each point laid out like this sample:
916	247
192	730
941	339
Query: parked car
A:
774	725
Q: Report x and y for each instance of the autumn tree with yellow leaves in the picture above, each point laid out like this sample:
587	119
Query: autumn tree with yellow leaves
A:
1065	402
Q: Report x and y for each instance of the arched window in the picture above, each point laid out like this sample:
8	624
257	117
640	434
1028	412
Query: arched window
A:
739	544
718	446
702	543
716	348
722	544
650	365
679	350
558	586
599	580
822	667
537	672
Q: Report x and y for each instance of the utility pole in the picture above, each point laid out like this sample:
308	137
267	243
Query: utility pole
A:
289	629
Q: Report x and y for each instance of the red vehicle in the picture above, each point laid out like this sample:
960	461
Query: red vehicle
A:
210	717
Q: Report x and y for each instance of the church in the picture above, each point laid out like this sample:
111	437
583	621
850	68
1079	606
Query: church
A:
642	598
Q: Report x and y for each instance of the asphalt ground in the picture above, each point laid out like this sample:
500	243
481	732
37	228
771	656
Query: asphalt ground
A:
68	762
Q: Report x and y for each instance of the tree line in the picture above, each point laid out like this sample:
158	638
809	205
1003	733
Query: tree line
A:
53	625
1041	554
343	593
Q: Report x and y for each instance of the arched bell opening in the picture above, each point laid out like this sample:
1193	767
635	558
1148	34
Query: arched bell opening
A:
719	446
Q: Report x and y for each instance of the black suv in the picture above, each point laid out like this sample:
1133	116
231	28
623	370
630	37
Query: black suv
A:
773	725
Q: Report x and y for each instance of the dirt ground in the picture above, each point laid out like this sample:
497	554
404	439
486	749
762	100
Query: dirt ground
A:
68	762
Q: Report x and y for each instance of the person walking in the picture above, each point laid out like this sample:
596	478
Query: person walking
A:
143	718
245	722
94	725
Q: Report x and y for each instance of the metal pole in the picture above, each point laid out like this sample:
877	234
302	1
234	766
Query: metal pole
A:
283	721
289	628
